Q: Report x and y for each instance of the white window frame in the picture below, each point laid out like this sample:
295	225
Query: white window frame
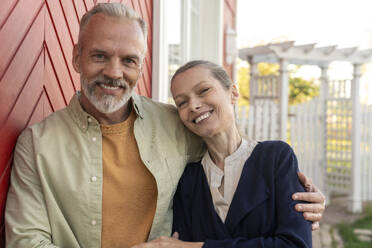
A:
159	53
204	40
207	42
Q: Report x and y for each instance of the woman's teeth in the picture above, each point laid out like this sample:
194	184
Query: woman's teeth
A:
202	117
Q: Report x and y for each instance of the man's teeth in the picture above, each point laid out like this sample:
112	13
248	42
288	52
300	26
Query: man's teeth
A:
200	118
109	87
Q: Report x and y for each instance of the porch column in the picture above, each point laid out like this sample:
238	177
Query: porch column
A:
283	99
323	96
355	204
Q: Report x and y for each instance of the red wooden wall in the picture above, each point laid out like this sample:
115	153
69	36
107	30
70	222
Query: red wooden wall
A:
229	21
36	74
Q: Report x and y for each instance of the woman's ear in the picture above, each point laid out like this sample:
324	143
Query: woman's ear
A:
234	94
76	58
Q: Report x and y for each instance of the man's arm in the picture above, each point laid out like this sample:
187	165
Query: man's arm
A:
313	210
26	219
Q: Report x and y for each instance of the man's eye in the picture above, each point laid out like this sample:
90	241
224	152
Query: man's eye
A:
130	61
98	57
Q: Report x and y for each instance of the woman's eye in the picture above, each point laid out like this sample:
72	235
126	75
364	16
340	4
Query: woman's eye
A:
181	104
204	90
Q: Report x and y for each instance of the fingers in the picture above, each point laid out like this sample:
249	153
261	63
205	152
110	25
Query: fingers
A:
138	246
316	208
162	241
176	235
314	197
313	217
315	226
306	182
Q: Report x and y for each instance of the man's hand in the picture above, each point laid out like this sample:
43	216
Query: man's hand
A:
171	242
313	210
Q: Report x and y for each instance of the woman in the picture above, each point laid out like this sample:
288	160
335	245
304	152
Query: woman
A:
239	194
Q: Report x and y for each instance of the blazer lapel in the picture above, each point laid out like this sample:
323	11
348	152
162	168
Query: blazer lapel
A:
250	192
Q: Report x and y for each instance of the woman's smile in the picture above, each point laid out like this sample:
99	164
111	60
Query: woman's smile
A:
202	117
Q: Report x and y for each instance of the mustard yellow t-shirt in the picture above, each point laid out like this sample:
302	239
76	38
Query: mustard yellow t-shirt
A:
129	189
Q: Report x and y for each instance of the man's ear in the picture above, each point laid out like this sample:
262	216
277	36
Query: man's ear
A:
234	94
76	58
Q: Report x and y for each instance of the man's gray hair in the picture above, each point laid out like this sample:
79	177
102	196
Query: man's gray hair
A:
215	70
114	10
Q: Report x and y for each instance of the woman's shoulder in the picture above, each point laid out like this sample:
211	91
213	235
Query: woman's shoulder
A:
272	149
274	145
273	154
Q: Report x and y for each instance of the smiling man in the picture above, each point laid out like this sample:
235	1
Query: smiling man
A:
102	172
109	61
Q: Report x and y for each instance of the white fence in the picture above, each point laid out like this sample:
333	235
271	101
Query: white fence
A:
306	134
322	142
338	137
260	122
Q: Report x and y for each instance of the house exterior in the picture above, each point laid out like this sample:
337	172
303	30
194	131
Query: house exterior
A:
36	42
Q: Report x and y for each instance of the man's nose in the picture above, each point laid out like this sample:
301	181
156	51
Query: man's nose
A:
114	69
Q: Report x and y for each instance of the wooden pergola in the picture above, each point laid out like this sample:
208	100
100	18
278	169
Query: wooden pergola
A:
286	53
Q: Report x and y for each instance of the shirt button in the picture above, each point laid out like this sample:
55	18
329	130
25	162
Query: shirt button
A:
89	119
94	138
93	179
83	126
93	222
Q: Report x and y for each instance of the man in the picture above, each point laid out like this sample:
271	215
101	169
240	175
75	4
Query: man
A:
102	171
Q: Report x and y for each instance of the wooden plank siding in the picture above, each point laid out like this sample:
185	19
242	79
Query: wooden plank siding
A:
36	73
229	21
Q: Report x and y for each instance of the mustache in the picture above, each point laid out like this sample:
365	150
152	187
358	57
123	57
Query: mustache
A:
109	81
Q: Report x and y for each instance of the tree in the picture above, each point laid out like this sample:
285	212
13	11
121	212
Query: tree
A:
243	83
300	90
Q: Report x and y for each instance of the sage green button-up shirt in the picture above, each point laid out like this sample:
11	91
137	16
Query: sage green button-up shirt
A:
55	196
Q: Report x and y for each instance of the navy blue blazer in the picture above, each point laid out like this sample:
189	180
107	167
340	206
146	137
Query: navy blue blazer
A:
262	211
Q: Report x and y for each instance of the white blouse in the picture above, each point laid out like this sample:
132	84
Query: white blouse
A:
223	184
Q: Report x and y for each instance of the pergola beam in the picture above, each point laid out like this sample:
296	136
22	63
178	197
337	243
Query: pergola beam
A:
304	54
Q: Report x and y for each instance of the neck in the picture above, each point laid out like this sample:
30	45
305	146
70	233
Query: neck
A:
106	118
223	145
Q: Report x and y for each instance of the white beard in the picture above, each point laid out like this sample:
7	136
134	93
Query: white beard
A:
107	103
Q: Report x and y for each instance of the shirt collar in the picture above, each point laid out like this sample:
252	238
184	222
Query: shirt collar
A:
242	151
137	103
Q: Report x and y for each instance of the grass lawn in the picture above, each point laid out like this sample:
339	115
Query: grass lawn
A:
347	234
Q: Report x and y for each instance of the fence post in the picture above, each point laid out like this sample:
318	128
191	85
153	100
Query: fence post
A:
253	73
355	204
283	99
323	96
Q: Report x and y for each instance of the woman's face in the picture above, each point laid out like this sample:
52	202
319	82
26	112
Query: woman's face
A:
204	105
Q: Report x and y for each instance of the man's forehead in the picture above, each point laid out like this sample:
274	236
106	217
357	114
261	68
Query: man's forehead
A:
102	27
